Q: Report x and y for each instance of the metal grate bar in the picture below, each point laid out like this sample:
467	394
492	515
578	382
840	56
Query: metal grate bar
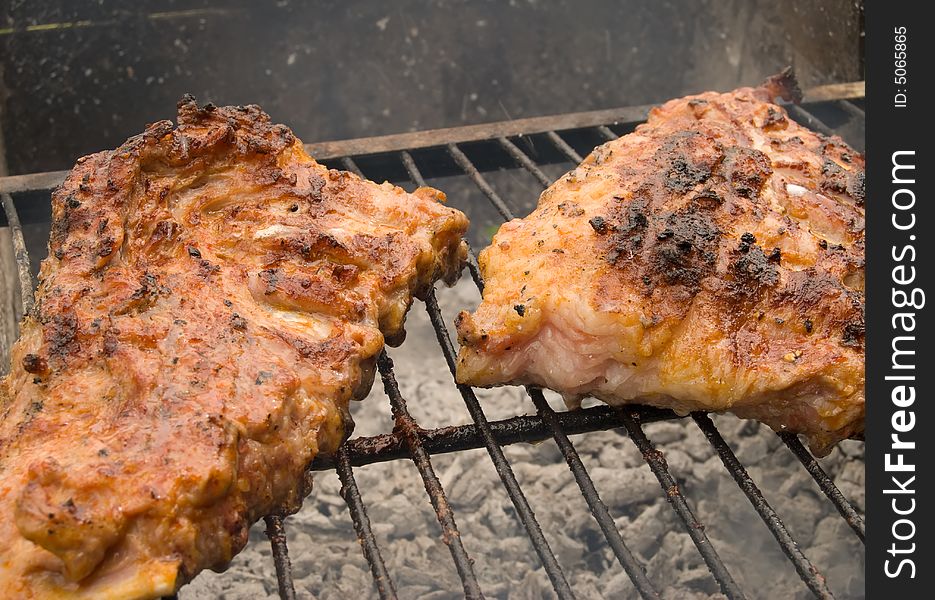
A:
20	255
605	131
625	557
825	483
277	539
522	429
852	109
468	167
407	427
524	161
368	542
807	571
412	169
525	512
657	463
808	119
564	147
348	163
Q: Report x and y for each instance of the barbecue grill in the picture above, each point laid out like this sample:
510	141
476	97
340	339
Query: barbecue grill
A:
469	152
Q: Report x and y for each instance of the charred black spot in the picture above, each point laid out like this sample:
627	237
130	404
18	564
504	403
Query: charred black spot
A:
520	309
193	252
856	187
628	235
238	322
753	270
35	364
834	178
808	325
271	278
775	256
853	334
206	269
686	159
829	167
598	224
684	175
106	247
746	169
685	249
60	333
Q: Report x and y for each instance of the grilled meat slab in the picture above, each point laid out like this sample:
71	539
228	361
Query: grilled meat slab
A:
212	300
713	259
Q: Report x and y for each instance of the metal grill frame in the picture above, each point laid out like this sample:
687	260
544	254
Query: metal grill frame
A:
409	440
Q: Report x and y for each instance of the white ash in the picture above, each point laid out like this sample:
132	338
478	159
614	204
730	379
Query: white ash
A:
328	563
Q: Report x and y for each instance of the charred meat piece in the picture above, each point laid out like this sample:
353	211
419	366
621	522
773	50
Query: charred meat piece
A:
713	259
212	299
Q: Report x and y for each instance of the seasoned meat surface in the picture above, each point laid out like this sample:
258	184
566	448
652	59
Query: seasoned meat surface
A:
212	299
713	259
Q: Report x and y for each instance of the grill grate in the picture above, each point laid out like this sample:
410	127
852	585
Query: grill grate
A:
395	158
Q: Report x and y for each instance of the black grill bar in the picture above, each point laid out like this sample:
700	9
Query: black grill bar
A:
825	483
522	429
807	571
564	147
657	464
348	163
277	540
412	169
851	108
368	541
407	427
625	557
605	131
526	515
468	167
20	255
808	119
524	161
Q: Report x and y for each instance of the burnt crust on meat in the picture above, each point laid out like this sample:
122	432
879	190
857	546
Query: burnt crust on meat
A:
212	300
716	264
